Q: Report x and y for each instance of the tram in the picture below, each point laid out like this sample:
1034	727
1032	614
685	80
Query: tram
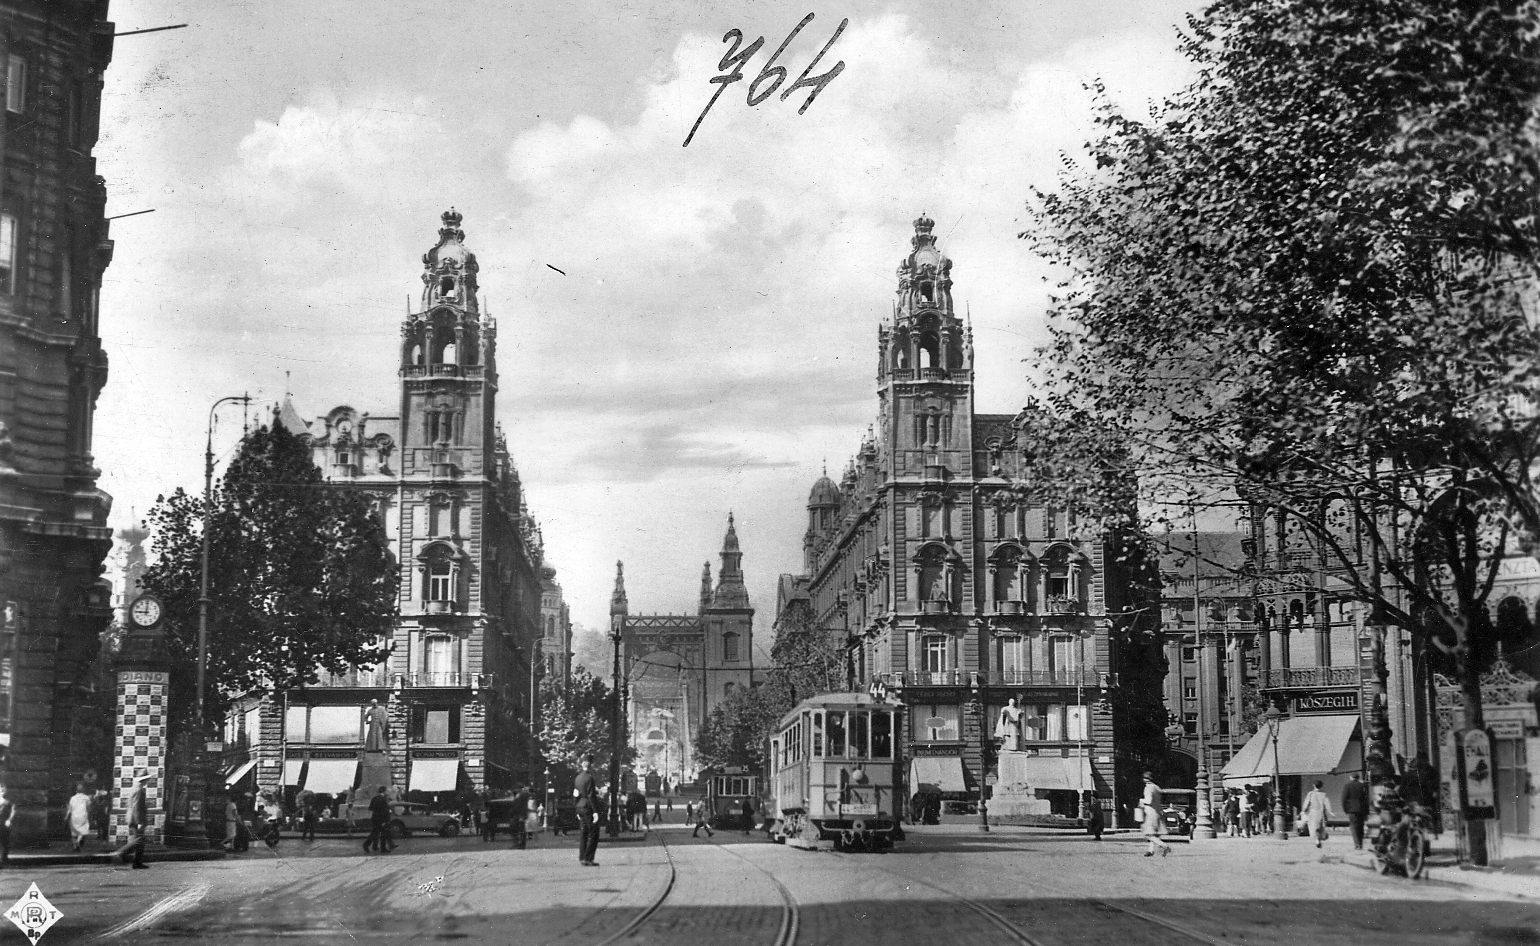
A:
728	790
834	774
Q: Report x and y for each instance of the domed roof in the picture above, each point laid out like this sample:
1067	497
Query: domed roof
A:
824	493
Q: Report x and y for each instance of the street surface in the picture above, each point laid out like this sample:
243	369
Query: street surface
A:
947	884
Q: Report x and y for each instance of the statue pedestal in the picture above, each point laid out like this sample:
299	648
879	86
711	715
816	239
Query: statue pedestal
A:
373	772
1015	796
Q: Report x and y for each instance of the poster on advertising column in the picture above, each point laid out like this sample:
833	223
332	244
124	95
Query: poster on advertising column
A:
1476	756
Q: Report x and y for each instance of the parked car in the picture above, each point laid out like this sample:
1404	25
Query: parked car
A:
406	818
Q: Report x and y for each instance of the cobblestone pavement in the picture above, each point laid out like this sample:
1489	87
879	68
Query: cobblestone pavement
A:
948	884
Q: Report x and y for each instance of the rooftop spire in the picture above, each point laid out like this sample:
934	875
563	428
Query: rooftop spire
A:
618	604
731	592
705	586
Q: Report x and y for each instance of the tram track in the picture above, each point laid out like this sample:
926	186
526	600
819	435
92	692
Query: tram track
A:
791	912
640	918
1023	938
786	931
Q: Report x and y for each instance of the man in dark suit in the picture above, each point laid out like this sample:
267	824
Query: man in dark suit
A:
379	824
585	788
1355	804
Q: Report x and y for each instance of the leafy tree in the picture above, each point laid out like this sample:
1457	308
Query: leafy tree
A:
1307	281
805	658
575	719
738	730
301	578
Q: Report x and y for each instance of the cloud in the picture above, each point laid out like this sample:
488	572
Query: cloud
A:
712	335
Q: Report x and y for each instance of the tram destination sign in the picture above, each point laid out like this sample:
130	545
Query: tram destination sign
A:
1334	701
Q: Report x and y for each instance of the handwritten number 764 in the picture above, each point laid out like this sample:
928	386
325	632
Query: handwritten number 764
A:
733	62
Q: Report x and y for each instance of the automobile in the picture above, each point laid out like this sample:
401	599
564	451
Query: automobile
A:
406	818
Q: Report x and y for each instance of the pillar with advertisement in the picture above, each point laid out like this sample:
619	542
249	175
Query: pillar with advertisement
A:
142	746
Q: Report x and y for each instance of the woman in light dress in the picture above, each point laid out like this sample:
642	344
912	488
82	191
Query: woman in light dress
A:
77	812
1154	816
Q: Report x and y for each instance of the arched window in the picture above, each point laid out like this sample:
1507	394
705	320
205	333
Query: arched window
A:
450	355
730	647
933	574
1007	574
416	356
930	351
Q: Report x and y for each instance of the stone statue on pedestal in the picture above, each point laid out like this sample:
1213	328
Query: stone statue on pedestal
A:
1008	726
377	728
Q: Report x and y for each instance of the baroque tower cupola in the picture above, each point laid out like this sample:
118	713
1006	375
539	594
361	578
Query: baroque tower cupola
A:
925	367
449	365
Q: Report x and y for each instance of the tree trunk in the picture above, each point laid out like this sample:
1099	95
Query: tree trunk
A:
1471	718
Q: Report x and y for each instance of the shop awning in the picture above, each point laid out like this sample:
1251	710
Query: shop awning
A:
941	773
1306	745
331	776
1055	772
434	775
291	770
239	772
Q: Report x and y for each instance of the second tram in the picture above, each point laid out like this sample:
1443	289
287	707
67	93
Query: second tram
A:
732	798
834	774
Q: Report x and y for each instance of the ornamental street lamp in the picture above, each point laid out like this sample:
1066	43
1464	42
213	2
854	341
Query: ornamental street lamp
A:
208	513
614	819
976	710
1274	721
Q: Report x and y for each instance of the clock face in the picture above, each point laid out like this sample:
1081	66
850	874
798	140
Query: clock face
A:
145	612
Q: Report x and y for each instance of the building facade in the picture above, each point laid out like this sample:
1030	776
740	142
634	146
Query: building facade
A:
1206	600
1315	659
677	668
460	680
54	247
952	586
556	626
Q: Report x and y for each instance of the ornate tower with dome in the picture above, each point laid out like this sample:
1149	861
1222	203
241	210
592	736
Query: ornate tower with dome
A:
932	565
474	588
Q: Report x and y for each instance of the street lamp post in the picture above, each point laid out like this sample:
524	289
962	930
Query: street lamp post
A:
1280	831
614	819
208	514
1203	824
550	800
976	710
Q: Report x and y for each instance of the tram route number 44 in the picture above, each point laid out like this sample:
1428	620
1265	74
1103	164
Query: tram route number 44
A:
733	62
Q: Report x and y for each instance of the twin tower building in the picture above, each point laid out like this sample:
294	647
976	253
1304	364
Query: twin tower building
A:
932	564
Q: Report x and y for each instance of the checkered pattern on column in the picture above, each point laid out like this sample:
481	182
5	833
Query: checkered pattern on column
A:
141	744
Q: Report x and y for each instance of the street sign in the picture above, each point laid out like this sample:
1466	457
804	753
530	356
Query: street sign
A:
1480	799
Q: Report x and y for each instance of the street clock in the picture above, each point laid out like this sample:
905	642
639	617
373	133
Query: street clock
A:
145	612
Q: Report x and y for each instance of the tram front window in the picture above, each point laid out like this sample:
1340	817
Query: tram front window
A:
858	736
817	735
836	735
882	736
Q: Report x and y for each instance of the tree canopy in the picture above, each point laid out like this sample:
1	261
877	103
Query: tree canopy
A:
1308	282
575	720
301	578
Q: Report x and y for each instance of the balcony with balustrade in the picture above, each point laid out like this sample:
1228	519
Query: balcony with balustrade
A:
1063	605
1311	678
453	679
1061	677
359	678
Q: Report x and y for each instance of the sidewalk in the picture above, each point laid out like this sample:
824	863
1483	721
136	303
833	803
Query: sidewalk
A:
1517	874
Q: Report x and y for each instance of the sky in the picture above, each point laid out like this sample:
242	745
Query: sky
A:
683	332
